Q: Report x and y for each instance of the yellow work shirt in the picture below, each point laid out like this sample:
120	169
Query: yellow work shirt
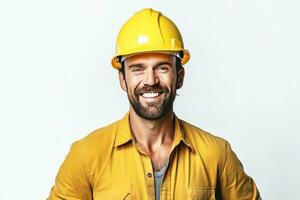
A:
107	165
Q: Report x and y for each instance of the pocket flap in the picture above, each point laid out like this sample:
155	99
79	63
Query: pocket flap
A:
201	193
113	195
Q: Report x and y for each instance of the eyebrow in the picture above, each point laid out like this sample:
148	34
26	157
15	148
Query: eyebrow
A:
162	63
135	65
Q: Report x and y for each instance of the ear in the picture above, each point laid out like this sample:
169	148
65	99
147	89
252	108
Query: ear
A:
180	77
122	81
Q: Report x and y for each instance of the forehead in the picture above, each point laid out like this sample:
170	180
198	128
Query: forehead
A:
150	58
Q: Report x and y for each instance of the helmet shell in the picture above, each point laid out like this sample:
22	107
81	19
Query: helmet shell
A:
148	31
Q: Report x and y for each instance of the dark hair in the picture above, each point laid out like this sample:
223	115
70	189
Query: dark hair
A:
178	65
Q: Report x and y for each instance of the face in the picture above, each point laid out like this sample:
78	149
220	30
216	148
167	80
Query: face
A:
151	81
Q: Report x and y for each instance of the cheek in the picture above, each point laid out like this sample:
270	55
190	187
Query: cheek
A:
132	83
168	81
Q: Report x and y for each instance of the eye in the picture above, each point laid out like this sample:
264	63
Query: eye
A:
136	69
163	68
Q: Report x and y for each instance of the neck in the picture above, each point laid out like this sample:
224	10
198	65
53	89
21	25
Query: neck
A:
152	133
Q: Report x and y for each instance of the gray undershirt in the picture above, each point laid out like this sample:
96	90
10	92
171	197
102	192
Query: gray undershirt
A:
158	177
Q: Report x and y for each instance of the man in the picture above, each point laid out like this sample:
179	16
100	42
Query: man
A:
150	153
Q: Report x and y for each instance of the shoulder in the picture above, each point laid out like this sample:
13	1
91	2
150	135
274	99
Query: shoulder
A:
200	134
103	134
98	143
204	143
209	148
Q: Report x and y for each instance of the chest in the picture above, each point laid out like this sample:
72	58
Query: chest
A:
128	174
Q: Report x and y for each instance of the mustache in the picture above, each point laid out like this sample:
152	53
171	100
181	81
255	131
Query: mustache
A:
155	88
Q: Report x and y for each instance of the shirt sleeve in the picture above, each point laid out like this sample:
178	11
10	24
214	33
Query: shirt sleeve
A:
72	181
235	183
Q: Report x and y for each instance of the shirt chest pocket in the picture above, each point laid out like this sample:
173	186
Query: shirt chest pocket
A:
112	195
201	193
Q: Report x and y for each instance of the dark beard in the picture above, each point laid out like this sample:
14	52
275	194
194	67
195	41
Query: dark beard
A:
154	111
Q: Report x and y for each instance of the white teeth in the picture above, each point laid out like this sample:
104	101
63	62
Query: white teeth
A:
150	94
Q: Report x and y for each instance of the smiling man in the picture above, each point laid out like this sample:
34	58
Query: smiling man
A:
151	154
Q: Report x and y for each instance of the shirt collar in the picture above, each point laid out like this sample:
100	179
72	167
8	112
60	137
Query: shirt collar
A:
180	135
124	133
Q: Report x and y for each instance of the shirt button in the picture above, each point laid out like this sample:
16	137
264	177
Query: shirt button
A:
149	175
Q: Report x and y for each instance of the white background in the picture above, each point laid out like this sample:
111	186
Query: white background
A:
57	85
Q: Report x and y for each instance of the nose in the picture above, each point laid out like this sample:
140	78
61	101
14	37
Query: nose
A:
151	78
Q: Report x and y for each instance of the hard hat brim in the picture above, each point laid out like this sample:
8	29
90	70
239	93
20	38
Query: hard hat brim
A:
117	64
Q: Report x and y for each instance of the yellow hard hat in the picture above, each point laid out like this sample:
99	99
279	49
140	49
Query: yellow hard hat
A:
148	31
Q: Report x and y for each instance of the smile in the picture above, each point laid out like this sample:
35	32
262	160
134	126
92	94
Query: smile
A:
150	94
